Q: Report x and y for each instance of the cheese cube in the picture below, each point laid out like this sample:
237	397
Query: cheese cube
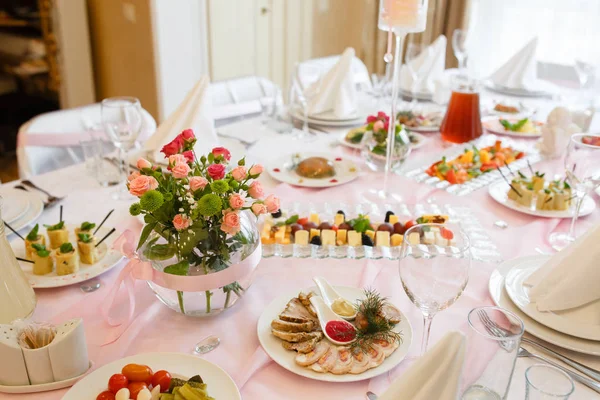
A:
314	232
286	240
383	239
397	239
266	228
339	219
301	237
280	234
414	238
328	237
393	219
314	218
428	237
371	234
354	238
342	237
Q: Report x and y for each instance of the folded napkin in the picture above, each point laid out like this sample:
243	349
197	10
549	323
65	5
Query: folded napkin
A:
195	113
430	65
336	91
556	132
436	375
571	278
520	71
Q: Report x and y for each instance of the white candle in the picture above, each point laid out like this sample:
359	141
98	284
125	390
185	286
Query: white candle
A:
403	15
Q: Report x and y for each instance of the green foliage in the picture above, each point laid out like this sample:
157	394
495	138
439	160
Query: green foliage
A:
513	127
360	224
55	227
189	238
291	220
219	187
181	268
33	234
145	233
41	250
85	237
66	248
209	205
135	209
87	226
152	200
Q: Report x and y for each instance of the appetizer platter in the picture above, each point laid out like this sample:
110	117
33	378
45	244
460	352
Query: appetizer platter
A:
420	122
354	138
523	127
153	376
339	230
315	170
312	341
462	169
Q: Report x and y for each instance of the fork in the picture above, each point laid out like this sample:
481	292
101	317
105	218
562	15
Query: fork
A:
493	328
47	204
50	200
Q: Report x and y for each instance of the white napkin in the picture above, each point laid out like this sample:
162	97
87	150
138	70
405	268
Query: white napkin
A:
571	278
556	132
436	375
336	91
430	65
194	112
520	71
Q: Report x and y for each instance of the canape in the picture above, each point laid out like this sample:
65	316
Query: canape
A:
42	262
57	234
67	260
33	237
85	227
86	245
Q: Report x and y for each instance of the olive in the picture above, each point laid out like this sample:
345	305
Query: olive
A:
366	240
399	228
316	240
276	214
325	225
385	228
296	227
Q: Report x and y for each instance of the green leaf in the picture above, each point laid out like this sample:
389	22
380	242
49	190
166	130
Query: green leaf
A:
66	248
145	233
181	268
33	234
520	124
291	220
87	226
190	237
521	175
55	227
159	252
41	250
507	125
85	237
360	224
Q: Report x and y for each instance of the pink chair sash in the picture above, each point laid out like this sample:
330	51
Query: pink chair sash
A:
56	139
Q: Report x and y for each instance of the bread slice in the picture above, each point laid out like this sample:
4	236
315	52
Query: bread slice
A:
303	347
287	326
295	337
296	312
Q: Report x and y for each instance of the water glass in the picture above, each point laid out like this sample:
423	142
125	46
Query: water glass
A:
545	382
493	344
105	171
459	46
413	51
306	83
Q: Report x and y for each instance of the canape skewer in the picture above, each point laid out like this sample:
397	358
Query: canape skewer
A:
509	184
15	232
104	220
106	236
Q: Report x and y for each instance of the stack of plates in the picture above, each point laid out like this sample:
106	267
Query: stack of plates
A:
329	119
20	208
577	329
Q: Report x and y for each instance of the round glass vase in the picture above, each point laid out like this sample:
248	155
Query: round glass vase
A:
375	148
160	252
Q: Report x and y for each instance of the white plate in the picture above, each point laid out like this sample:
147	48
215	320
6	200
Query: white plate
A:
517	92
33	212
322	122
501	299
110	259
15	204
44	387
492	124
582	322
285	358
219	383
423	129
424	96
421	141
345	170
499	192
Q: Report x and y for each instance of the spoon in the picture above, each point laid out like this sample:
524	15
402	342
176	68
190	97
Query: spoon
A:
326	315
207	344
90	287
330	295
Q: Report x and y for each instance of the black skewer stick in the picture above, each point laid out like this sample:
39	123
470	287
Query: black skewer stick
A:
107	235
60	220
25	260
531	169
509	184
15	232
509	170
104	220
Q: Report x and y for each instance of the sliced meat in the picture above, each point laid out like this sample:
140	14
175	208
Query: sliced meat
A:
303	347
296	312
361	362
305	300
327	360
375	356
287	326
391	313
384	346
312	357
296	336
344	361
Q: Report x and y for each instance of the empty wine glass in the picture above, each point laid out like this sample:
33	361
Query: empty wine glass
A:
434	269
306	84
413	51
122	121
582	167
459	46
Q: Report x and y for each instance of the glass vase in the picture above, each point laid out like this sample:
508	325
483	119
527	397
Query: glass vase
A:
375	148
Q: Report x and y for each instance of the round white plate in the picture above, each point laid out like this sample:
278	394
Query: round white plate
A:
501	299
45	386
33	212
492	124
109	259
219	383
285	358
499	192
345	171
420	143
582	322
342	140
334	123
15	204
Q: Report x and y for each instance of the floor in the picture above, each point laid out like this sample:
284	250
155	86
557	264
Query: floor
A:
9	170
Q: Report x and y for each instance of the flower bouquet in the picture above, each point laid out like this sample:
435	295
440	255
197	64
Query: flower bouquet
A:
200	221
375	142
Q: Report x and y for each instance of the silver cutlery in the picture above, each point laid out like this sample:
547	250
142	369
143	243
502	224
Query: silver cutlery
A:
542	252
207	344
372	396
490	326
246	143
47	203
501	224
51	200
90	287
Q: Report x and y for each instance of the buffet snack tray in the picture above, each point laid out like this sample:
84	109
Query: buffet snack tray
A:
528	147
482	247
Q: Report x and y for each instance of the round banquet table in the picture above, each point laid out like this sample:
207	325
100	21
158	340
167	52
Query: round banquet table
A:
156	328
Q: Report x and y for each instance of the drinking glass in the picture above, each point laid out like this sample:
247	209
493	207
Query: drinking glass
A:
582	166
105	170
434	275
413	51
493	344
545	382
306	84
122	121
459	46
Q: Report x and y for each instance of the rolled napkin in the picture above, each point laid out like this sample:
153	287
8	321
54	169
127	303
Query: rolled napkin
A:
436	375
571	278
556	132
520	71
194	113
430	65
336	91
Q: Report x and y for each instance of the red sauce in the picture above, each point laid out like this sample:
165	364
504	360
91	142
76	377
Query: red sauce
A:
340	331
338	159
276	170
333	181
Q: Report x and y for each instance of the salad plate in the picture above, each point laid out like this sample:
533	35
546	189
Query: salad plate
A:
425	122
31	214
527	129
416	139
15	204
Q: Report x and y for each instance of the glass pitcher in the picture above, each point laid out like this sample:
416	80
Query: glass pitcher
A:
17	298
462	122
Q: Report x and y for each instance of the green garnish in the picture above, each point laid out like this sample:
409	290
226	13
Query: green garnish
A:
85	237
539	175
360	224
33	234
371	323
41	250
513	127
567	186
87	226
66	248
521	175
379	149
291	220
56	227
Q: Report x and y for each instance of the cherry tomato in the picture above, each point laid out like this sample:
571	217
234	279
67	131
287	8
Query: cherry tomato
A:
409	224
137	373
106	395
135	388
302	221
488	166
117	382
520	155
162	378
451	176
446	233
334	227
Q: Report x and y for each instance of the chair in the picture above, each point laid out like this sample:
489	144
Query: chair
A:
50	141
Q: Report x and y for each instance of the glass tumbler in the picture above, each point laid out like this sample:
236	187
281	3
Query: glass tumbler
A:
545	382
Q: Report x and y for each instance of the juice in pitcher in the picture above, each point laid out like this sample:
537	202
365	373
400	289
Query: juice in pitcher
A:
462	121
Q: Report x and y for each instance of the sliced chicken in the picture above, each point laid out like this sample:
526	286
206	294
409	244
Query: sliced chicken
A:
303	347
287	326
375	356
360	363
296	312
385	347
344	361
305	300
296	336
327	360
314	355
391	313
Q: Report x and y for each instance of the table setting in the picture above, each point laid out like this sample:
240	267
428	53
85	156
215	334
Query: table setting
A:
349	244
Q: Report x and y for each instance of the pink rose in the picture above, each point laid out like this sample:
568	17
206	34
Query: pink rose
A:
272	203
239	173
189	156
197	183
259	208
221	151
216	171
174	147
255	190
181	222
133	175
231	222
143	163
377	126
180	170
177	159
236	201
256	169
142	184
187	135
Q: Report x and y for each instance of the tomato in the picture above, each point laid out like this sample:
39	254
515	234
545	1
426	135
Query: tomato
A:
446	233
409	224
451	176
106	395
117	382
135	388
162	378
302	221
462	176
520	155
334	227
488	166
137	373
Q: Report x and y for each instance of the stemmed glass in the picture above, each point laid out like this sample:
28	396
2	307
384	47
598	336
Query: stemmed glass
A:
434	275
122	121
582	166
413	51
585	74
459	46
306	83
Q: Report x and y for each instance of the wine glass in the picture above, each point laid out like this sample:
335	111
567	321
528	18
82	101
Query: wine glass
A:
122	121
306	84
459	46
582	166
434	275
413	51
